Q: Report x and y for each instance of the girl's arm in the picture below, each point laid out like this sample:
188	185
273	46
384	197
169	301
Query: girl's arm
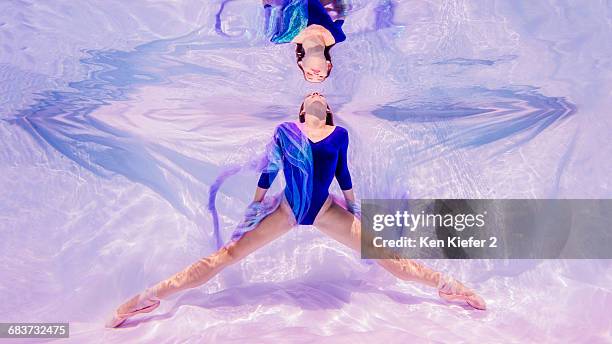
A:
351	205
343	176
267	178
349	196
265	181
260	193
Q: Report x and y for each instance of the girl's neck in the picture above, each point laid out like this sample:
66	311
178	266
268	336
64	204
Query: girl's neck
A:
314	121
313	43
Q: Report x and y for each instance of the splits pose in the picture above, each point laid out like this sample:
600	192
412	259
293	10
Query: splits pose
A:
311	153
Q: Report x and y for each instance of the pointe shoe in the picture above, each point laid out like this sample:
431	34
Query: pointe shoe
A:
451	290
144	302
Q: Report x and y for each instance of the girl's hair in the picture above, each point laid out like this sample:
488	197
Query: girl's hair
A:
329	118
300	53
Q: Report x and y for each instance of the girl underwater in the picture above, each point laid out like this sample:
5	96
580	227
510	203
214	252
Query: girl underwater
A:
314	26
311	152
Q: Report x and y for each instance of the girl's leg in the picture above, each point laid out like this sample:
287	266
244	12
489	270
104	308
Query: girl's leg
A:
271	227
342	226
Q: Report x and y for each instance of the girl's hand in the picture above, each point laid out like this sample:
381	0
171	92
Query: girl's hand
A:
354	208
253	209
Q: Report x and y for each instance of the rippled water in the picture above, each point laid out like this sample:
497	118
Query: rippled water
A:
115	118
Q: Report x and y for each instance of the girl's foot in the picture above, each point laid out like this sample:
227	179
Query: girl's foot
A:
450	290
144	302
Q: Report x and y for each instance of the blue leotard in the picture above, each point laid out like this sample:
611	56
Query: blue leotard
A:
317	14
286	21
329	160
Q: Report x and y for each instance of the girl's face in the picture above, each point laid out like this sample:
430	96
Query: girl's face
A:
315	103
315	67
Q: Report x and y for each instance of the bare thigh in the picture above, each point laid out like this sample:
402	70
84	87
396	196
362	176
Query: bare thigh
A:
339	224
345	228
271	227
279	222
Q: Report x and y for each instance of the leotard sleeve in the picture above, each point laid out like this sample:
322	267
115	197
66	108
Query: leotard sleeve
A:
267	177
342	172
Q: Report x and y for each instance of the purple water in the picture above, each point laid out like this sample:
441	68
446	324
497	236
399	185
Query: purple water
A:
115	118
